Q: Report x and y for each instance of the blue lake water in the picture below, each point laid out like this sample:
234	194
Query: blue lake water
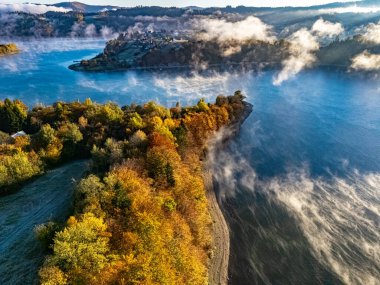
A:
300	184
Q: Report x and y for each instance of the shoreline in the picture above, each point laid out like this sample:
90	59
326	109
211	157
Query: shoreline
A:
8	49
218	268
219	261
9	53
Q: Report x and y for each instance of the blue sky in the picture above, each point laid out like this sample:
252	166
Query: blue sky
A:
202	3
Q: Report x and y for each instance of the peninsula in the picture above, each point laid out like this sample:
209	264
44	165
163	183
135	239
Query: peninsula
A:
6	49
142	212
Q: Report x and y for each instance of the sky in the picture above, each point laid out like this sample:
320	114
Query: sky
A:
200	3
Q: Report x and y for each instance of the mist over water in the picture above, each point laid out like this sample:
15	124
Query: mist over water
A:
299	185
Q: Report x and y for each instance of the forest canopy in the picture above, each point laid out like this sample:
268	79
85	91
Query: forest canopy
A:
141	214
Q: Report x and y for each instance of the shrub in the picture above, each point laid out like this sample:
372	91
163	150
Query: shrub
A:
52	275
45	232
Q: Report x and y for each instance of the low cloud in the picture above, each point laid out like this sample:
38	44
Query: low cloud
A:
31	8
366	61
231	50
107	33
327	29
324	208
225	166
81	29
195	86
223	30
90	31
350	9
303	44
155	19
8	23
78	29
372	33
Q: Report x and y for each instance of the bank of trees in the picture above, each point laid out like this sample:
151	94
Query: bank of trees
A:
141	215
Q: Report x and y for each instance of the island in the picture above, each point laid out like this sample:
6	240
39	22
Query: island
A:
7	49
161	50
145	211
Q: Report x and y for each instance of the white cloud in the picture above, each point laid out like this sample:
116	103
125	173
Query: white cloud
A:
81	29
90	31
108	33
92	84
303	44
222	30
327	29
350	9
366	61
30	8
372	33
155	19
231	50
196	86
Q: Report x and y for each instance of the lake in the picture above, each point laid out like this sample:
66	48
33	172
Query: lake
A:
300	184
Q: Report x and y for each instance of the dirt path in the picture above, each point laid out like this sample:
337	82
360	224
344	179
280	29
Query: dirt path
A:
218	271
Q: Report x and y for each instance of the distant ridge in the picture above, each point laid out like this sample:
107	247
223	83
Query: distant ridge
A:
194	7
84	8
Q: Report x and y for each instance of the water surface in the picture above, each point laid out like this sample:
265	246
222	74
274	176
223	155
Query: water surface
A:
48	198
300	184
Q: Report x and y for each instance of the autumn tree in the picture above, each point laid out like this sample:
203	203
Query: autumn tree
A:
141	216
82	247
48	144
18	167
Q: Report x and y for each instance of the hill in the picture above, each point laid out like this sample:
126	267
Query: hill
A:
84	8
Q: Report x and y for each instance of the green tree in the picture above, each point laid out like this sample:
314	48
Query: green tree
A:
138	138
45	232
160	162
153	109
111	153
170	205
52	275
49	145
83	245
17	168
46	136
4	137
12	115
202	106
135	121
105	114
69	132
89	195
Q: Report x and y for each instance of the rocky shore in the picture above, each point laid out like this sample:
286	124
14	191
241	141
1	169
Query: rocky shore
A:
218	268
